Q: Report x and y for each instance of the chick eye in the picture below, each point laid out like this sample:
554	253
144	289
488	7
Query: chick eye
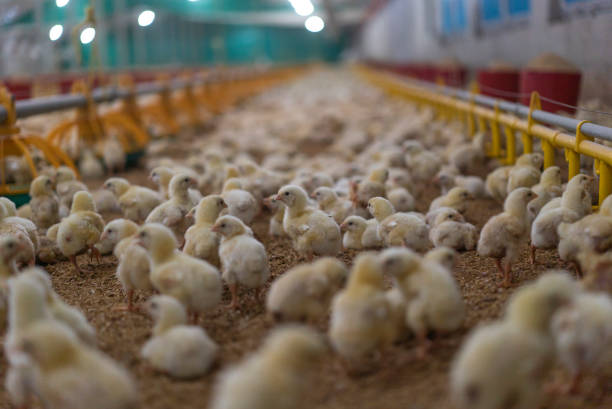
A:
223	225
350	223
110	231
450	216
286	193
11	245
142	234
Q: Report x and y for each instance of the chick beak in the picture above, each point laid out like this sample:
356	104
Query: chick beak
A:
215	229
278	197
535	195
436	180
103	236
343	227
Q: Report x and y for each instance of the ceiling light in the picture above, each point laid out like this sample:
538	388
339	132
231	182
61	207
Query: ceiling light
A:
61	3
88	35
146	18
56	32
314	24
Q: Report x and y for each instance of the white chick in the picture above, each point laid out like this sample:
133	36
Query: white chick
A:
465	156
583	335
66	186
456	198
331	204
399	229
26	225
273	377
180	350
133	269
422	164
572	207
243	259
79	231
44	203
313	232
172	212
525	172
136	202
200	240
59	310
106	201
276	228
240	203
90	166
195	283
113	233
361	316
9	248
450	230
304	292
497	183
26	252
353	227
503	364
162	176
501	235
445	256
548	188
401	199
113	155
69	373
372	186
434	301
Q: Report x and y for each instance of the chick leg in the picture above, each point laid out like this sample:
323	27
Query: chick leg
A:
73	259
533	254
422	351
574	386
507	274
577	269
96	253
234	292
130	307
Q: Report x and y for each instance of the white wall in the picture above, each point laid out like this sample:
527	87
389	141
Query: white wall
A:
403	31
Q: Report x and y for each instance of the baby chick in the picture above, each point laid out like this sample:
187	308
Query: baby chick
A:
353	227
548	188
240	203
200	240
372	186
66	185
456	198
113	233
90	166
583	335
450	230
467	155
69	373
304	292
361	316
44	203
497	183
501	235
162	175
401	199
433	298
79	231
399	229
525	172
180	350
445	256
273	377
243	259
136	202
276	221
331	204
24	230
503	364
195	283
313	232
113	155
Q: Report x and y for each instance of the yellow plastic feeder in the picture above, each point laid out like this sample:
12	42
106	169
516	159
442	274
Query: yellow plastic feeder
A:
161	111
13	143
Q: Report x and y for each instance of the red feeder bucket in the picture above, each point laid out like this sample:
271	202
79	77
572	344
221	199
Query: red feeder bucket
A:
504	81
451	76
560	86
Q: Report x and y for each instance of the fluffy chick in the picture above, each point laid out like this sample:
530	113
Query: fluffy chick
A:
277	207
456	198
180	350
200	240
240	203
548	188
79	231
195	283
372	186
450	230
304	292
361	316
66	185
113	233
136	202
501	235
44	203
496	183
243	258
70	373
331	204
526	171
273	377
313	232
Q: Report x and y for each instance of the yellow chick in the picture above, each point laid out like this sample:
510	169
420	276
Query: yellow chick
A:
274	376
66	186
445	256
26	225
401	199
313	232
240	203
113	155
583	336
60	310
133	269
548	188
422	164
106	202
399	229
172	212
113	233
79	231
572	207
136	202
467	156
525	172
372	186
180	350
90	166
195	283
9	247
44	203
276	228
200	240
304	292
590	235
503	364
456	198
496	183
433	299
331	204
26	253
243	258
353	228
361	316
450	230
501	235
162	176
70	373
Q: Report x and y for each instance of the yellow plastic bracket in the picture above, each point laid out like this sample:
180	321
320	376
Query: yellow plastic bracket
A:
510	146
573	155
495	134
548	148
7	101
527	138
470	115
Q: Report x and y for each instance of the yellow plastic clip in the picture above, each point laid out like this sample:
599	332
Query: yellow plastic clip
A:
470	115
8	103
548	147
495	134
534	104
573	155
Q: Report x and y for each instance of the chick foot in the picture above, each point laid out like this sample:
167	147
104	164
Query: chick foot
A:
234	292
532	257
94	252
73	260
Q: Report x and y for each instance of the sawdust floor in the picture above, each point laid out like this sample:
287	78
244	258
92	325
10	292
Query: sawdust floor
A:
400	380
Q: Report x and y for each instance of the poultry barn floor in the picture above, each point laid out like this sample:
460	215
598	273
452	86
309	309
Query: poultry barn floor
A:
399	381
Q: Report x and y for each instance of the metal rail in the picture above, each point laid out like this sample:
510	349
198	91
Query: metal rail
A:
589	129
